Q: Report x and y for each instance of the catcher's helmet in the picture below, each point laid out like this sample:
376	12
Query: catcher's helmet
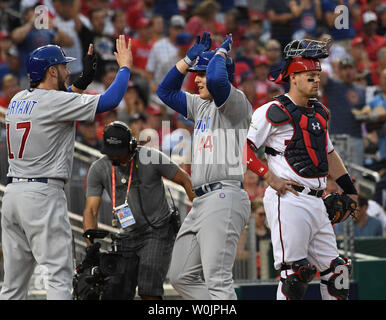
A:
203	61
42	58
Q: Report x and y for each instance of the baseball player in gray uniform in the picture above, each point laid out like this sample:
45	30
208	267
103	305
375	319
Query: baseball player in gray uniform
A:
205	246
40	126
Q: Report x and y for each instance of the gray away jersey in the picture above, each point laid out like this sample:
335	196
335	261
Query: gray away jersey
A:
41	131
219	137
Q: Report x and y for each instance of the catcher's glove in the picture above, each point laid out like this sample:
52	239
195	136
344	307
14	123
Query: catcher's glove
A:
339	207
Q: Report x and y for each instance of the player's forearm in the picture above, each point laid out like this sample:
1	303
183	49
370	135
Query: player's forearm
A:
253	163
336	167
114	94
217	79
338	172
169	91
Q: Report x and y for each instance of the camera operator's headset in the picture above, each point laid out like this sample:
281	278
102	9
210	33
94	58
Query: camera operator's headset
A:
132	141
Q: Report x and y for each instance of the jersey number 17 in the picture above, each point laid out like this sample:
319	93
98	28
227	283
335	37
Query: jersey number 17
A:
26	126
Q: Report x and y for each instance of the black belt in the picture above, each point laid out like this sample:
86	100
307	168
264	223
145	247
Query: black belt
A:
42	180
313	192
210	187
272	151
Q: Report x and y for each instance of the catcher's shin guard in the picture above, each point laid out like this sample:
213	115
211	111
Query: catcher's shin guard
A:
336	278
295	285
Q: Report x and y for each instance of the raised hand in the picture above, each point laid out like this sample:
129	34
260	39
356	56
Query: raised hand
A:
123	55
89	70
201	45
226	46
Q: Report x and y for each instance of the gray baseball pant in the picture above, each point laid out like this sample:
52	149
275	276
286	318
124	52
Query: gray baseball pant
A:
36	229
205	247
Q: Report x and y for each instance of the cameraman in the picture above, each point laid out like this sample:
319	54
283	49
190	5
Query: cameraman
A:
146	238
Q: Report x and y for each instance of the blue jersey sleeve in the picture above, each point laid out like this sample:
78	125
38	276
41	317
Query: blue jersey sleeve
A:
169	91
217	80
114	94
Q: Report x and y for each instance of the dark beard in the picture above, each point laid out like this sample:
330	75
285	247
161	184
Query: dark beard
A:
62	84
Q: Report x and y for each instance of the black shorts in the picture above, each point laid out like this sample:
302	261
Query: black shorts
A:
147	258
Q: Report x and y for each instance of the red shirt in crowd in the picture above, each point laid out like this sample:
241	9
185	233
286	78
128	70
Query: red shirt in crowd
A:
140	52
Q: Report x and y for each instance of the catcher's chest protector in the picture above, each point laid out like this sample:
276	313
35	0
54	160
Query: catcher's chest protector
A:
306	153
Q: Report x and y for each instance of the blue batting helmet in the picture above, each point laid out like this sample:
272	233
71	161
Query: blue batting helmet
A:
203	61
42	58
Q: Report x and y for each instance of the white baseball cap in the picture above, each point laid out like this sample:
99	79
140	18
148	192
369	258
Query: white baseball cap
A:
177	21
369	16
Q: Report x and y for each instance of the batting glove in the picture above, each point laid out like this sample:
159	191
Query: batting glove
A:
199	47
226	46
89	71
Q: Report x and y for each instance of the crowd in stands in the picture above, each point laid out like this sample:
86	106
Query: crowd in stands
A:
353	85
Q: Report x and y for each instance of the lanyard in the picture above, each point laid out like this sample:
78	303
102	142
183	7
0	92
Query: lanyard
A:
113	183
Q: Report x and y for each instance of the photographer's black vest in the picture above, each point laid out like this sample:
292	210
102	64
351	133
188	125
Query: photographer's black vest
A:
306	152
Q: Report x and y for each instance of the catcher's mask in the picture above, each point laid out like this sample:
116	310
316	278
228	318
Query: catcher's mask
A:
117	138
301	55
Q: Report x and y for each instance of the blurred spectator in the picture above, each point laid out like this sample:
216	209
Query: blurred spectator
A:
381	29
157	27
104	119
5	43
372	41
273	53
248	86
336	52
142	9
133	102
179	141
359	54
87	134
375	210
137	123
254	186
377	66
184	41
308	15
282	20
64	20
104	45
341	36
380	186
204	19
11	65
28	38
248	50
165	48
141	46
342	96
10	86
364	225
119	24
378	115
257	26
263	85
232	26
262	232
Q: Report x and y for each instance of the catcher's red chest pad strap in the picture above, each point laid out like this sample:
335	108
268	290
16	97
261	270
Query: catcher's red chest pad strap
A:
306	153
